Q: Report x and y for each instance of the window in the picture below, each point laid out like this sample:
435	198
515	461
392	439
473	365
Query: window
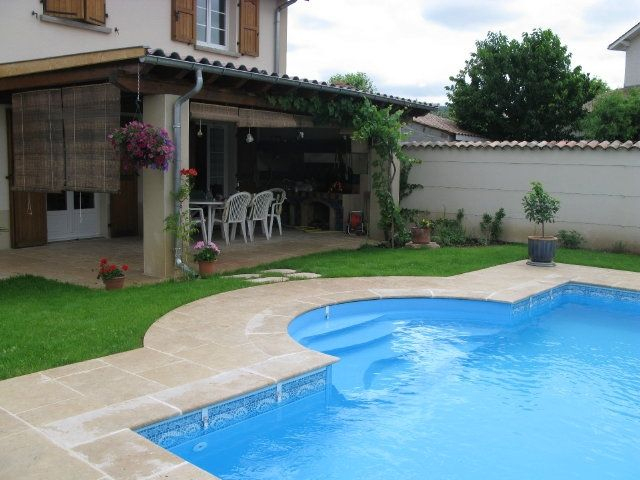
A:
211	22
87	11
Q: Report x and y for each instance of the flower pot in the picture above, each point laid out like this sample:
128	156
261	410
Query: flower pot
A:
205	269
541	251
114	283
420	235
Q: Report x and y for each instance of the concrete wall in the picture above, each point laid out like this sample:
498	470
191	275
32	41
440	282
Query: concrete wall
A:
598	189
139	22
4	183
632	64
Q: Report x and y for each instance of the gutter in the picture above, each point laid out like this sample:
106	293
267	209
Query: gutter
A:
275	79
279	8
177	140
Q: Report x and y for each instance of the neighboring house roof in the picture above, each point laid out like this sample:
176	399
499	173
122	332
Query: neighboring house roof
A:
174	60
535	145
441	123
622	43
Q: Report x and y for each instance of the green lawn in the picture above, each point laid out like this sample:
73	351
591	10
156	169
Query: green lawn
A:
44	324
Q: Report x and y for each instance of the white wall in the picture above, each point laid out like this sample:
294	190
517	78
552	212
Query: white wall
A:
598	189
23	36
632	64
4	183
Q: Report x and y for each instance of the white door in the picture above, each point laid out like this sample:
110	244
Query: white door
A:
72	215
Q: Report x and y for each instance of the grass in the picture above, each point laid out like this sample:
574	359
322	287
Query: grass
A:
44	324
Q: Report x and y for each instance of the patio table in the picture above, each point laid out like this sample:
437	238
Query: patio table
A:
212	206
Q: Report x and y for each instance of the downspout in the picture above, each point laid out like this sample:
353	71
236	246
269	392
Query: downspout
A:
279	8
177	140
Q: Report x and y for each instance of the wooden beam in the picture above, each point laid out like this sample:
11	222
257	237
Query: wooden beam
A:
69	61
56	79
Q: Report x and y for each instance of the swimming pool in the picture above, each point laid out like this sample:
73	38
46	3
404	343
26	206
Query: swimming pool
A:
433	388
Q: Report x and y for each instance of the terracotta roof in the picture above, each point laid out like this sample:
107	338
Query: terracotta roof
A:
190	63
440	123
622	43
535	145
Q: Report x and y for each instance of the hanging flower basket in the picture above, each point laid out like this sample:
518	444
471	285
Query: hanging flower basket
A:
143	145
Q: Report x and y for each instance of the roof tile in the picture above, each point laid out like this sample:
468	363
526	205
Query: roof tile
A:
533	145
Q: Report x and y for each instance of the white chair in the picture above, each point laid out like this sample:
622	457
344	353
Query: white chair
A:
259	211
197	214
235	213
279	196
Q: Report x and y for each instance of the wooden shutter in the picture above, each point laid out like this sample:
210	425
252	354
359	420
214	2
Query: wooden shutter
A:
183	20
95	12
250	27
38	141
65	8
90	113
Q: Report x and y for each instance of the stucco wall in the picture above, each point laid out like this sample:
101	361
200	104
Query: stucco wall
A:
141	22
632	64
598	190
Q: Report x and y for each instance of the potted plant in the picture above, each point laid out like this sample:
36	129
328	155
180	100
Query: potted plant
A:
205	254
540	208
142	145
112	276
421	233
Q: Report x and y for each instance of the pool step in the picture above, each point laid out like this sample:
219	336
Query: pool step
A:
351	336
332	324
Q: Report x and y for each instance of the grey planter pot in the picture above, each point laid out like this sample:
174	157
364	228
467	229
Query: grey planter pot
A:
542	250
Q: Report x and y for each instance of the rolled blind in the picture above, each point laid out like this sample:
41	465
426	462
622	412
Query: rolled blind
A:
38	141
91	113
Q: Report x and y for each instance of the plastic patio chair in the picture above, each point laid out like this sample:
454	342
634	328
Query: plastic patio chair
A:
279	196
234	214
259	212
198	214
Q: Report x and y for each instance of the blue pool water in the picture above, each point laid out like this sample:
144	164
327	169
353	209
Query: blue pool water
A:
452	389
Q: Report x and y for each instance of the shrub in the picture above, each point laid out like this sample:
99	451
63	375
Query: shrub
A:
619	247
491	227
570	239
449	232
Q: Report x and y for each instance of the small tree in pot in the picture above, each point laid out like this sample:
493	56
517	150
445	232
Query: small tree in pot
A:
540	208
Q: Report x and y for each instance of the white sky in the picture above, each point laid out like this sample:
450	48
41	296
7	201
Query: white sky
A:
410	48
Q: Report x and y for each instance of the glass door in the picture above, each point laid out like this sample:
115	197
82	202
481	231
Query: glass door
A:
216	149
72	215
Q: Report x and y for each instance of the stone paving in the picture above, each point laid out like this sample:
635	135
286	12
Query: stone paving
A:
75	421
77	261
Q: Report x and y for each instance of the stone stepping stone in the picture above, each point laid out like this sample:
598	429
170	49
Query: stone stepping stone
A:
244	276
303	275
283	271
268	279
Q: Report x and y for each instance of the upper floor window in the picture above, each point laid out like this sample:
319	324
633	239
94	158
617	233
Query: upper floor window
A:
86	11
211	22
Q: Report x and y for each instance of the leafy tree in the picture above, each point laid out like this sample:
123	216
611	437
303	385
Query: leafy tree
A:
615	116
358	80
524	90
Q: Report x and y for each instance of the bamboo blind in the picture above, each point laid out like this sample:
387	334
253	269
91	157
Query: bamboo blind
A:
244	117
90	113
38	142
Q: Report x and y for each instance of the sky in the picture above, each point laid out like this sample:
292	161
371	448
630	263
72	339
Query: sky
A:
410	48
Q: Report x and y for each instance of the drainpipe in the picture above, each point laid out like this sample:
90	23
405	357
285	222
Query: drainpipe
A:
279	8
177	140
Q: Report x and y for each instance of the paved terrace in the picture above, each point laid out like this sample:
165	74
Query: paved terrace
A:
74	422
77	261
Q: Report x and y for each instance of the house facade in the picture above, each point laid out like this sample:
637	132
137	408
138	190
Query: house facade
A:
629	43
434	128
208	72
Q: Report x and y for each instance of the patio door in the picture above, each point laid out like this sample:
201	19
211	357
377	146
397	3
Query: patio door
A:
72	215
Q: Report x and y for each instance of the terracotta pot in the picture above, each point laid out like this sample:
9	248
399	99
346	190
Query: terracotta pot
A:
205	269
542	250
420	235
114	283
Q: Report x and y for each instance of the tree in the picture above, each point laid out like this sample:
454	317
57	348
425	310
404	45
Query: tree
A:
510	90
615	116
358	80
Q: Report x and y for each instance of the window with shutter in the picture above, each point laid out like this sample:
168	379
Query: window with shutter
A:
183	20
89	11
249	27
212	21
65	8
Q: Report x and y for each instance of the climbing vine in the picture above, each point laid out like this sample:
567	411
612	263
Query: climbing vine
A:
381	128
